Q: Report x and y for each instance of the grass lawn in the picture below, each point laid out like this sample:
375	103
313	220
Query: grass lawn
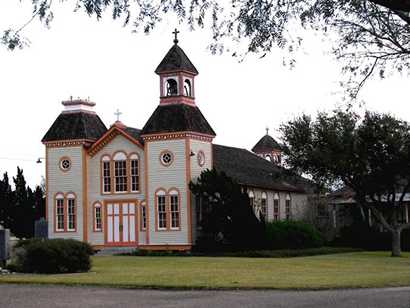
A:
346	270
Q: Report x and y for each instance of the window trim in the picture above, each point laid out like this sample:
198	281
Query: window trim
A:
276	215
59	196
143	218
288	207
164	152
71	196
174	192
264	199
61	161
134	157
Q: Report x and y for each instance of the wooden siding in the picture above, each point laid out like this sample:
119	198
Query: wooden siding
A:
94	183
64	182
173	176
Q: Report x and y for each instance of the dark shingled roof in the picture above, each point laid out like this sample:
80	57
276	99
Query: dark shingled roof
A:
251	170
177	118
134	133
176	60
75	125
266	144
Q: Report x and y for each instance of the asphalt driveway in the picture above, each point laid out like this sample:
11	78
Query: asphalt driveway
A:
15	296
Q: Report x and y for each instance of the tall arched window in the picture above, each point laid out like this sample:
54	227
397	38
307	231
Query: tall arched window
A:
288	206
143	215
106	173
71	212
251	198
97	217
59	212
172	87
120	172
264	209
174	209
276	208
187	88
161	207
134	173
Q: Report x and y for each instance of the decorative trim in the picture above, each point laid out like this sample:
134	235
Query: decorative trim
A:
109	135
168	220
65	212
68	143
188	191
46	192
178	135
147	212
162	154
85	196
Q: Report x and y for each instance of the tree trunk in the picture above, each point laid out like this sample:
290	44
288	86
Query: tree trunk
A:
396	243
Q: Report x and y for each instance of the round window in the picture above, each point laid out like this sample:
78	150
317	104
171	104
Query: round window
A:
201	158
65	164
166	158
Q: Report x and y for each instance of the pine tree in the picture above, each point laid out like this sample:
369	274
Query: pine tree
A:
5	202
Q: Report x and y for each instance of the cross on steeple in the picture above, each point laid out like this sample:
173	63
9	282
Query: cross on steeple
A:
267	130
176	36
118	113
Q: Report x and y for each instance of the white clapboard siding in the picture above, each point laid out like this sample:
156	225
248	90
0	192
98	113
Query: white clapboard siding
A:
64	182
167	177
119	143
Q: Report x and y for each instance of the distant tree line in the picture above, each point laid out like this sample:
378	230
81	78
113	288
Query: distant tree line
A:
20	206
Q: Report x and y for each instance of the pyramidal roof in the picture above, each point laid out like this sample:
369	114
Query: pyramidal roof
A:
176	60
266	144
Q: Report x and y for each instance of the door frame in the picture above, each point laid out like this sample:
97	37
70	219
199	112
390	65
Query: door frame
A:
136	226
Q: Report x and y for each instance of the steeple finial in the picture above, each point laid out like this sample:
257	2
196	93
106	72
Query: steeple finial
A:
267	130
175	32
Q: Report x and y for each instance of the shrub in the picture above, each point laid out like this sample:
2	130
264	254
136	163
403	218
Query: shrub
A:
52	256
292	235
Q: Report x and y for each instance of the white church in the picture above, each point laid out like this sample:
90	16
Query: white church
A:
127	187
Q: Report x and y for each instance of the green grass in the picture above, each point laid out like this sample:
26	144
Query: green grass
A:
347	270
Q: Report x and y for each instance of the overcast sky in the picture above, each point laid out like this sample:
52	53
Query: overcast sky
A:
115	68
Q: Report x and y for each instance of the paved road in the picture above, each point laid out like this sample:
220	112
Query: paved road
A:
16	296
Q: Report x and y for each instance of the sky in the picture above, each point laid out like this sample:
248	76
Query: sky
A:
114	68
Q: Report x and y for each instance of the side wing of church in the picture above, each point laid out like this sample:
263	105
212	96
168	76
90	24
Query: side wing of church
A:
123	186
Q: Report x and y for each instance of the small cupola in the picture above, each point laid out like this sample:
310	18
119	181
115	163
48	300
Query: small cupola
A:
177	74
77	105
268	148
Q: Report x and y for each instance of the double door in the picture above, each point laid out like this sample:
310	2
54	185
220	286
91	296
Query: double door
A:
121	223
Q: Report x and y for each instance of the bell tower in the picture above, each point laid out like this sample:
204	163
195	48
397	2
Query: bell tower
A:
177	77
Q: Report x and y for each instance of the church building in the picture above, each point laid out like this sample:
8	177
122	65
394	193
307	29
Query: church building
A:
127	187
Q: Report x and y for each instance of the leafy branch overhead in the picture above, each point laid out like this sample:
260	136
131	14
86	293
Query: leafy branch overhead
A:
369	36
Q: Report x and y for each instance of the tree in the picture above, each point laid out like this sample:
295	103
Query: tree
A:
227	214
370	155
371	35
5	201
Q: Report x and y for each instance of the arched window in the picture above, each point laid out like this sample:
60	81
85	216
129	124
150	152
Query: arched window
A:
120	172
187	88
172	87
134	172
59	212
174	209
71	212
106	173
143	222
276	207
97	217
251	198
288	205
161	210
264	205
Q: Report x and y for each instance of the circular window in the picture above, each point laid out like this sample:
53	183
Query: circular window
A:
166	158
65	164
201	158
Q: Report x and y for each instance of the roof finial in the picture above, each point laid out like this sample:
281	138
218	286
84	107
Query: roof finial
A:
176	36
267	130
118	113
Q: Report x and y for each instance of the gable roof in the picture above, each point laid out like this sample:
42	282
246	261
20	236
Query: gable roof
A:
251	170
176	60
177	118
266	144
74	126
130	133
